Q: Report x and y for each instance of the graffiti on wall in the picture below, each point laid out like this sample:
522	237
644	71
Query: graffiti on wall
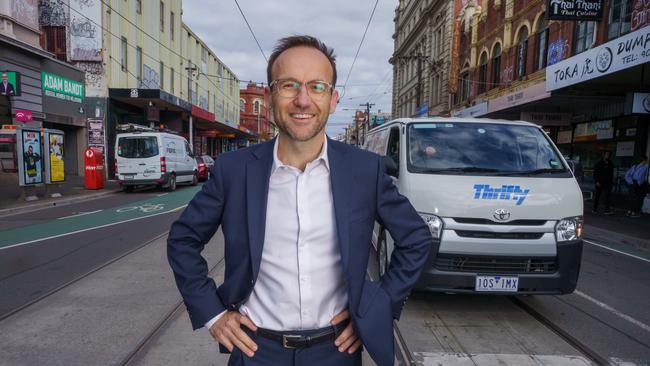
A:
94	73
150	78
557	50
85	34
53	13
26	12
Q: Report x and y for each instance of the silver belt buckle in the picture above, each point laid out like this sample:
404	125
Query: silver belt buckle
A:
288	337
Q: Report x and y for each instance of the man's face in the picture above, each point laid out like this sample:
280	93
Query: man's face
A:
30	150
4	78
302	118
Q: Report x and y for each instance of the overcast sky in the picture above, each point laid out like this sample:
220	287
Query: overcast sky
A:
339	23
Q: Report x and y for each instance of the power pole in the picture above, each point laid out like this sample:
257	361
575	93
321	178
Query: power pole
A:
368	105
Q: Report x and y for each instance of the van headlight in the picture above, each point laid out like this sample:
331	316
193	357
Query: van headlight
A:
434	223
569	229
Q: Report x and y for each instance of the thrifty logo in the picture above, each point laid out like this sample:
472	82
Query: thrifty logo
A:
505	193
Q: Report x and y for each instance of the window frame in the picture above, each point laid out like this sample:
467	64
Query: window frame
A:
583	40
162	16
624	13
521	55
482	72
124	53
496	66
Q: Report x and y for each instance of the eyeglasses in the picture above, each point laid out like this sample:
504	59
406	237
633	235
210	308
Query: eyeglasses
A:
289	88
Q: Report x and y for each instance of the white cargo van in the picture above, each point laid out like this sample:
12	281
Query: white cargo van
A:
503	207
154	158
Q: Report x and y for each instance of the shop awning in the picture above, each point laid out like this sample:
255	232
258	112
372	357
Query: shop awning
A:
141	98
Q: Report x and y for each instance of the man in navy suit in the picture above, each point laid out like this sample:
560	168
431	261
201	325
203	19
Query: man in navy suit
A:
297	215
6	88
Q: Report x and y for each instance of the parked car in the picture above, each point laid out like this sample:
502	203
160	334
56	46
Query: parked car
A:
502	205
205	164
154	158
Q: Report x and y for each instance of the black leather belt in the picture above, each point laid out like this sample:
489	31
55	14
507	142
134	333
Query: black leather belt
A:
288	340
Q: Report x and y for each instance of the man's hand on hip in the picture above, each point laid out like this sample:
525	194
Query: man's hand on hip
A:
347	340
227	331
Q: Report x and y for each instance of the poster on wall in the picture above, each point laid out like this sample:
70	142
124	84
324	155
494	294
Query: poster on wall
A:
10	83
575	10
30	164
592	131
625	148
640	14
56	147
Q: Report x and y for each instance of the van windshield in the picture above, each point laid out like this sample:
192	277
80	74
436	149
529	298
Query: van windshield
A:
483	149
137	147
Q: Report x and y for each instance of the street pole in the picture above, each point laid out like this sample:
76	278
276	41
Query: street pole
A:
190	69
368	105
419	86
259	134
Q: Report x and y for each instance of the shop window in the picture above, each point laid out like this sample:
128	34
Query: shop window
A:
541	40
162	75
171	80
585	32
496	66
138	6
138	64
482	73
171	25
522	48
53	40
618	21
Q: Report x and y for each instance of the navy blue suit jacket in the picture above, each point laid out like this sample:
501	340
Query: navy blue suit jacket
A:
235	198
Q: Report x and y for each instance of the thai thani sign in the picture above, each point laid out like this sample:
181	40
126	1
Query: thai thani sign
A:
640	14
575	9
62	88
619	54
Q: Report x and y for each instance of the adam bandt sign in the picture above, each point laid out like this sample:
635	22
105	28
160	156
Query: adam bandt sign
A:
619	54
575	9
62	88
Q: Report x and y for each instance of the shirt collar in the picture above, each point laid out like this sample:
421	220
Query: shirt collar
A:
321	157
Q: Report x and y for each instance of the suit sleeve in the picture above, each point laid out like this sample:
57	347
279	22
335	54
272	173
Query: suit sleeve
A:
187	238
411	236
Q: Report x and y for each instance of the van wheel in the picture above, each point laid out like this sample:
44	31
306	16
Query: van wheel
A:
128	189
195	179
171	186
382	253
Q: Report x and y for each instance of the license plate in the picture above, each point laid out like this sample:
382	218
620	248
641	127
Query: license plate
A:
497	283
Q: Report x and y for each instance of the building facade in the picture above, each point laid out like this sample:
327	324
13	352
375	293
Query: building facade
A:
255	110
46	92
583	80
144	66
421	58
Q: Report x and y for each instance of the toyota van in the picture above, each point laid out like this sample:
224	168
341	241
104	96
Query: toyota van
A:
504	210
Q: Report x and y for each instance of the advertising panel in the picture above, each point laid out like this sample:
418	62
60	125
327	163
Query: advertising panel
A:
30	162
619	54
592	131
56	147
62	88
640	14
523	96
575	10
10	83
96	133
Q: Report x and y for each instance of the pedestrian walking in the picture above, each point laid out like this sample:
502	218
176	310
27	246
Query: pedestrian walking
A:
637	179
297	214
603	179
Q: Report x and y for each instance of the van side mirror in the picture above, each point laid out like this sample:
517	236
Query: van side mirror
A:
391	166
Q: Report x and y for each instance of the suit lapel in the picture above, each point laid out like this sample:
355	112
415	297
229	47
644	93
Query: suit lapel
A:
339	173
258	173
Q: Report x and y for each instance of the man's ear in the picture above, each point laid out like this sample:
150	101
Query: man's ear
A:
334	101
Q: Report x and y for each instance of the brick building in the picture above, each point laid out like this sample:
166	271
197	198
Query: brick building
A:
254	110
584	80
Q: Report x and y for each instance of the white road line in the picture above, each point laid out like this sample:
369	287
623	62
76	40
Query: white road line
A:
162	194
613	311
92	228
617	251
77	215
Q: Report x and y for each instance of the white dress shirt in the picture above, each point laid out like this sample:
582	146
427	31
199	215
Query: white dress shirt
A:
300	284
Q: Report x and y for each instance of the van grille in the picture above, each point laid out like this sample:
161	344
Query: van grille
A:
499	265
477	221
493	235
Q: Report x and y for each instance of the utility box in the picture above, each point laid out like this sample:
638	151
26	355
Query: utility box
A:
94	169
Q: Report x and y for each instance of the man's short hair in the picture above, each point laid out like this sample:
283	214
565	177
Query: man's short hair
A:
301	41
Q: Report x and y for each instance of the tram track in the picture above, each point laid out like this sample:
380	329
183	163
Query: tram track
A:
143	345
79	278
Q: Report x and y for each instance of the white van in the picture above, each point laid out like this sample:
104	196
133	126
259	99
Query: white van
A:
503	207
154	158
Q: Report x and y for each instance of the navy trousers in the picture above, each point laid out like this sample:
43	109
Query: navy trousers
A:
271	353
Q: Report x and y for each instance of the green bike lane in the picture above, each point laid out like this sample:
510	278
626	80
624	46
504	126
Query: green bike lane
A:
132	211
